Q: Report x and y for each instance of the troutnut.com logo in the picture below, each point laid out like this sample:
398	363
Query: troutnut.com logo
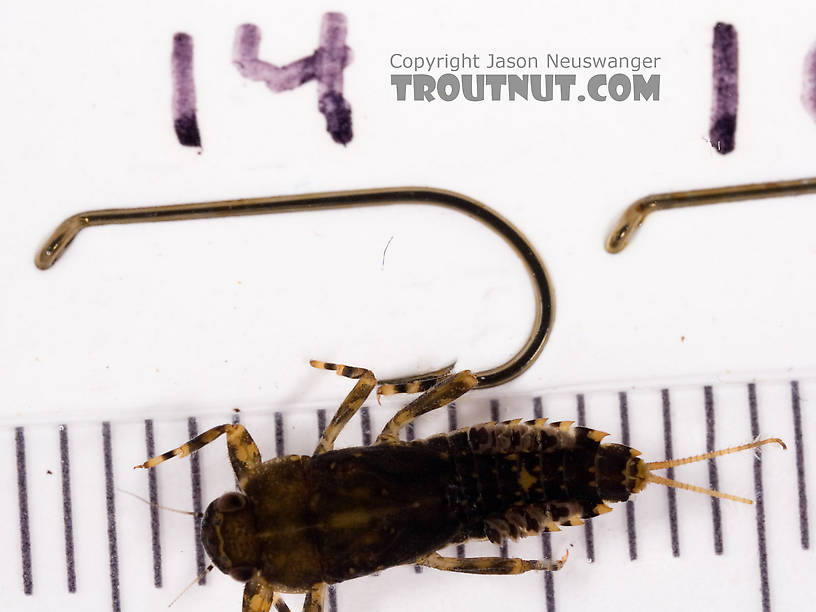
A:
595	77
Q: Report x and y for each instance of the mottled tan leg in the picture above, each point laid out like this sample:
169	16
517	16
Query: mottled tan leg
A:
490	565
443	392
243	452
412	384
314	598
259	597
365	385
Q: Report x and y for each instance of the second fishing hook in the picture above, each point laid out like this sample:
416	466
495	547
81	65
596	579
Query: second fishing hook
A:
634	216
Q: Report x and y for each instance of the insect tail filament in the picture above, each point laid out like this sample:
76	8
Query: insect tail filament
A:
690	487
659	465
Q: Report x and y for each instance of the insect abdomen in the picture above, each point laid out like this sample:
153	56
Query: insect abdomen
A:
514	479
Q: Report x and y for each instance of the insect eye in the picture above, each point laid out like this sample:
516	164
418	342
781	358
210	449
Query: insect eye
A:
230	502
242	573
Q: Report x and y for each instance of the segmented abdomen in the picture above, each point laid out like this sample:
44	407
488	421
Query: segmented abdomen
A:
517	478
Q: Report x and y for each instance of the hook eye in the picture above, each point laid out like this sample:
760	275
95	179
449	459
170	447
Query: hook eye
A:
230	502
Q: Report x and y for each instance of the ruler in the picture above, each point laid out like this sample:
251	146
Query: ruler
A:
74	538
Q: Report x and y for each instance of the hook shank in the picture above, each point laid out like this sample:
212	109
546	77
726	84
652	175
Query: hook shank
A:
61	237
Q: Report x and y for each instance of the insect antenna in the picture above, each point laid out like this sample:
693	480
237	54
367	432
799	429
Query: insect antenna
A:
659	465
187	588
155	505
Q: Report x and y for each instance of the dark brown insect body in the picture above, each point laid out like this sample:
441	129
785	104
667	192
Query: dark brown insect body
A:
351	512
306	521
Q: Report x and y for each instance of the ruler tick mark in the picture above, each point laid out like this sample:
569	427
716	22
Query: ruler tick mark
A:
546	541
630	506
549	585
713	475
669	454
22	499
279	447
195	479
153	492
365	425
332	598
67	513
800	464
762	550
113	552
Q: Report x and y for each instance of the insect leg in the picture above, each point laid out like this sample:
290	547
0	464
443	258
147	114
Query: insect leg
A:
416	383
259	597
243	453
490	565
314	598
365	385
442	393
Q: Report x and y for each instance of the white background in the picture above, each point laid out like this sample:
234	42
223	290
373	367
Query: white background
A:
169	318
